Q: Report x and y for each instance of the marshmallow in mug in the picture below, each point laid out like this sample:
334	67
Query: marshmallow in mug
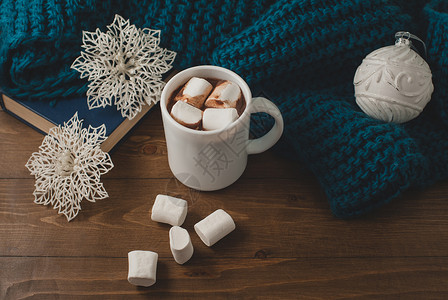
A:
217	118
194	92
180	244
170	210
142	267
186	114
225	95
214	227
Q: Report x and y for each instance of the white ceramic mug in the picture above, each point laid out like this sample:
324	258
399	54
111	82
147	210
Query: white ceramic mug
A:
212	160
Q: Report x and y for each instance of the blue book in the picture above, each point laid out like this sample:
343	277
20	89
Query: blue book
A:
42	116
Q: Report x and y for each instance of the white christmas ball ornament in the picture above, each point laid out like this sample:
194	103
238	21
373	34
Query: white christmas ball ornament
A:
393	83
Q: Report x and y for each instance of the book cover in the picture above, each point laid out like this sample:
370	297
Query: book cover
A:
42	116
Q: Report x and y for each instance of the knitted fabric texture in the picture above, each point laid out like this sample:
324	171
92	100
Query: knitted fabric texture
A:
302	54
41	38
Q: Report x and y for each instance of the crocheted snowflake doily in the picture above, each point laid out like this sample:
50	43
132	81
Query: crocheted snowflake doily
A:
125	64
68	167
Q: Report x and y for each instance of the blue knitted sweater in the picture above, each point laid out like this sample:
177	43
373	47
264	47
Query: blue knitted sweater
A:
301	53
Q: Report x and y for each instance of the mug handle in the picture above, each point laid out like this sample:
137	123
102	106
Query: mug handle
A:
261	104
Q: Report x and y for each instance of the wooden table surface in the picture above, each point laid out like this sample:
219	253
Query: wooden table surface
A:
287	244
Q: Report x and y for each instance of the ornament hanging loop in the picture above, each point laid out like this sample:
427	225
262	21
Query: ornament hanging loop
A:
404	38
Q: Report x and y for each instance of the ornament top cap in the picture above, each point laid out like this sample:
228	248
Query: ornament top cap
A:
403	53
403	38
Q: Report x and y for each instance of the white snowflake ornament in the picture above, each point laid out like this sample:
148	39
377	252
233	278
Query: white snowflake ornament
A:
124	65
68	167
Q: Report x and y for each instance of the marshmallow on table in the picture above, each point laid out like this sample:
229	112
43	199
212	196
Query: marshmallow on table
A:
214	227
180	244
142	267
218	118
194	92
186	114
226	94
170	210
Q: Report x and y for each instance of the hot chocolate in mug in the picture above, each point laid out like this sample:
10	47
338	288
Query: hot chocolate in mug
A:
212	160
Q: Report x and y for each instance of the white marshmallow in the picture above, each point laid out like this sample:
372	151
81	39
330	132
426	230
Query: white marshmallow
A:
214	227
197	87
180	244
194	92
231	91
186	114
218	118
142	267
170	210
226	94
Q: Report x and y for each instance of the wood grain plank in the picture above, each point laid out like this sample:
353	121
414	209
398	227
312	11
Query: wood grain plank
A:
279	218
233	278
287	245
